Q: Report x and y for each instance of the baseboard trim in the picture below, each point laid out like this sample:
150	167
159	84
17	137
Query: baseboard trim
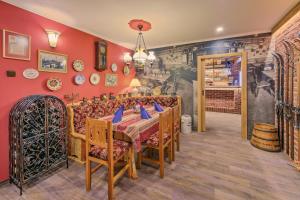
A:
4	182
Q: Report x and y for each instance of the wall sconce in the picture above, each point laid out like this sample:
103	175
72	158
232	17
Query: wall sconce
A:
52	37
151	57
127	58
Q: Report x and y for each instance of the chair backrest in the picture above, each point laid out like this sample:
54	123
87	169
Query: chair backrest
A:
99	133
176	114
165	123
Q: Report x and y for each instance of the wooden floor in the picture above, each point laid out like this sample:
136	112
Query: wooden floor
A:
213	165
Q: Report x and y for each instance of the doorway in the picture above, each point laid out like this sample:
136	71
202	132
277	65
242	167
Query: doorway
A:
220	71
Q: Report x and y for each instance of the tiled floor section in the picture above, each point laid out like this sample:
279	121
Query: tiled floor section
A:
213	165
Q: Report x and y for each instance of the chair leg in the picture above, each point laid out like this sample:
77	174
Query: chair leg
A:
170	153
161	162
88	175
178	141
130	157
173	148
110	180
139	160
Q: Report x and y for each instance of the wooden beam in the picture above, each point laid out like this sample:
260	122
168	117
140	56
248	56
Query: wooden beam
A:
244	100
201	92
298	104
287	17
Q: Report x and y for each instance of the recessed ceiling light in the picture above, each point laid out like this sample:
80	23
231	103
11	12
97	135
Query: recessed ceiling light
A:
220	29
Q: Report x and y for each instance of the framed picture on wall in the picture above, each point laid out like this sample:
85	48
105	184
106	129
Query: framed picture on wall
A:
52	62
111	80
16	45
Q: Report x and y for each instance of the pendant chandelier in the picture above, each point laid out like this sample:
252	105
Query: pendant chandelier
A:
141	54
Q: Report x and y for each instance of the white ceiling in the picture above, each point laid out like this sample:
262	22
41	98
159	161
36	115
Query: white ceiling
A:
173	21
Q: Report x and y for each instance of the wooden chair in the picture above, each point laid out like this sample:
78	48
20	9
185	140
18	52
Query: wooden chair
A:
160	141
176	130
101	148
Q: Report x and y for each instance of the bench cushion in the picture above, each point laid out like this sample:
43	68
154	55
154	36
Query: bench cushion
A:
100	109
177	128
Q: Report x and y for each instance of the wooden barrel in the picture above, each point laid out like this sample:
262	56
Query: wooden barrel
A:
265	137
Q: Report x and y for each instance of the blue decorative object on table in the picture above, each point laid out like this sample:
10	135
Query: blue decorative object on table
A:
157	107
144	113
118	115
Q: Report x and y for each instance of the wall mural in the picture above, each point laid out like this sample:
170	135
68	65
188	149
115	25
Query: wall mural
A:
175	73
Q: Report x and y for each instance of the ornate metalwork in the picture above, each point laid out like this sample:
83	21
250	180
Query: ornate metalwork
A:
38	138
296	112
285	108
279	106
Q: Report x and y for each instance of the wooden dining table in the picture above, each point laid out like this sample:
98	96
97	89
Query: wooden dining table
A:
132	128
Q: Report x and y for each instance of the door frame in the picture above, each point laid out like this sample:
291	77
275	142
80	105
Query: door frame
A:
201	90
297	131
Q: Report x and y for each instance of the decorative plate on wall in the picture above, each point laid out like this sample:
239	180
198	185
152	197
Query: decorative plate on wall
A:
157	91
54	84
30	73
95	79
111	80
78	65
79	79
126	70
114	67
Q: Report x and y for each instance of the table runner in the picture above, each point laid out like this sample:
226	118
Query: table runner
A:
137	129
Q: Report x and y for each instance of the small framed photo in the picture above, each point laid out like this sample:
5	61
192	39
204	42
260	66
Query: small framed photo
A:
111	80
52	62
16	45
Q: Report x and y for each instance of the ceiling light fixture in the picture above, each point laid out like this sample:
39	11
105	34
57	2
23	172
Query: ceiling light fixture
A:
141	54
220	29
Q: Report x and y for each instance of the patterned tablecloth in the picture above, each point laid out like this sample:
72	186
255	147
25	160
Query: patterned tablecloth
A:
136	128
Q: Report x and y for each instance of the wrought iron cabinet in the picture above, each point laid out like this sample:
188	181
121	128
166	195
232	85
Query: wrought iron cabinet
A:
38	138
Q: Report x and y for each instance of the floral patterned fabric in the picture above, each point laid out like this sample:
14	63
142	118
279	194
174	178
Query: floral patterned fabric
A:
119	148
129	103
98	109
177	128
81	112
154	139
112	106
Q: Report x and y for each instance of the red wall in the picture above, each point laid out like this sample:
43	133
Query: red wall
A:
72	42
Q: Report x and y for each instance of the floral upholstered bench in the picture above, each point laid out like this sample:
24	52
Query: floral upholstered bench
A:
96	109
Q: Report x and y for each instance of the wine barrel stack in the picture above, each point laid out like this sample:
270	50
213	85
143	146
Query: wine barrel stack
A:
265	137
